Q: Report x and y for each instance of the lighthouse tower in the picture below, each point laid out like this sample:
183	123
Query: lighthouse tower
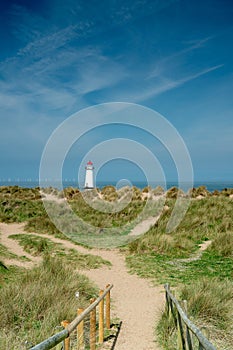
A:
89	177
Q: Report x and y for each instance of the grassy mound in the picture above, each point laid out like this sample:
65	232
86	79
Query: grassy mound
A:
171	257
205	219
36	301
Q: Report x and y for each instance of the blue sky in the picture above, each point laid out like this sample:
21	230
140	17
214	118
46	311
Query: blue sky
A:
58	57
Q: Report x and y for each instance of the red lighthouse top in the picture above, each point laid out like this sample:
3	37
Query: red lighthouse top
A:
89	163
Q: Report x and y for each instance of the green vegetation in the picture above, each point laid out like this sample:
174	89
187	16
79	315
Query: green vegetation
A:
5	253
7	272
36	301
205	219
104	215
20	210
209	300
19	204
16	192
42	224
94	216
206	279
34	245
164	270
209	307
39	246
222	245
25	205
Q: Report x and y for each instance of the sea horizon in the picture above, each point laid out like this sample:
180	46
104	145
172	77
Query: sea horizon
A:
210	185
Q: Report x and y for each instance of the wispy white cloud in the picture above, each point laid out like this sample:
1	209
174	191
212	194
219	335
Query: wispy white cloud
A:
169	84
161	65
141	92
49	43
198	74
43	82
52	72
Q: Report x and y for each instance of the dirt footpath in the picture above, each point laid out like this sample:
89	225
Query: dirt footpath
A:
136	302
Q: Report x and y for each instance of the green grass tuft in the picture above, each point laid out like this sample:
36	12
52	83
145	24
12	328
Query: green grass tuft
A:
210	307
34	303
38	246
210	300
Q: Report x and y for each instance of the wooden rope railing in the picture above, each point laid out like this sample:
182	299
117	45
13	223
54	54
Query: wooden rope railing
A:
78	324
185	327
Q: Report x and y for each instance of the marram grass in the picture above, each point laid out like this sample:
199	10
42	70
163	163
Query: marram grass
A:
34	303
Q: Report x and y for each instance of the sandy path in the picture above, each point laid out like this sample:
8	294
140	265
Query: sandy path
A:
9	229
136	302
143	226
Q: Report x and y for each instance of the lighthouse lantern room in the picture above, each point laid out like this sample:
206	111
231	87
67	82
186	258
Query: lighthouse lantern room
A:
89	177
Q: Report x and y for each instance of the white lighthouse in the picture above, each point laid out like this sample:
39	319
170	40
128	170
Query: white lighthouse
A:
89	177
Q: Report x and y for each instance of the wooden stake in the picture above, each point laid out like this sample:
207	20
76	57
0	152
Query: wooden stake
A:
92	327
65	324
173	309
180	338
108	318
101	319
188	337
168	302
181	317
80	332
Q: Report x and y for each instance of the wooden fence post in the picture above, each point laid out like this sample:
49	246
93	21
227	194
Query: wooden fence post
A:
64	336
80	332
108	317
167	287
173	308
185	326
92	327
188	337
181	340
101	319
65	324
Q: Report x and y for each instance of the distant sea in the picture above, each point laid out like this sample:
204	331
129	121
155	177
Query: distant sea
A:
210	185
